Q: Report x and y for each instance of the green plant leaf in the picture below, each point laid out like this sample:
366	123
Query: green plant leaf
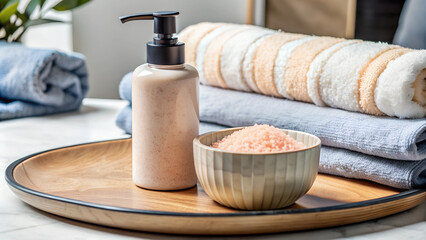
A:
8	12
3	3
65	5
32	5
39	21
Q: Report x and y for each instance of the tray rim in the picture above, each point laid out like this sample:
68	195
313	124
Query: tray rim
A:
14	184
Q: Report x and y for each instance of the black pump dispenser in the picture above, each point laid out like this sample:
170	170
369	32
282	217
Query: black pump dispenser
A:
165	48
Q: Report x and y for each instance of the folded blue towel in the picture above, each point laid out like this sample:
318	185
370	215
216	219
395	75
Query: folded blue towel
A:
125	88
340	162
124	119
39	81
401	139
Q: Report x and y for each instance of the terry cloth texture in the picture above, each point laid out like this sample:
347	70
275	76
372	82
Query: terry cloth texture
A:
202	46
233	56
281	62
192	41
298	66
368	80
37	82
339	79
316	67
248	72
264	61
398	77
401	139
211	65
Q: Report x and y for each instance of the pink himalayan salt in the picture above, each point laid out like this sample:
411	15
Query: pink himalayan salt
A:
258	139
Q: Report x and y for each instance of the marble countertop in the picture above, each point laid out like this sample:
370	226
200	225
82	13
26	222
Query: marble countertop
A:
94	122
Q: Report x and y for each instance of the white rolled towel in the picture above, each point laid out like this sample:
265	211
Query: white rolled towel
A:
316	67
212	56
233	54
339	79
400	89
248	72
204	43
281	62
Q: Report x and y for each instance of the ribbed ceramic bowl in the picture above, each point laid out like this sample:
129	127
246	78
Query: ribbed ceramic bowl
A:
256	181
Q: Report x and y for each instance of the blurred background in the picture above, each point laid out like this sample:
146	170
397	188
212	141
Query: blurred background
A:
113	49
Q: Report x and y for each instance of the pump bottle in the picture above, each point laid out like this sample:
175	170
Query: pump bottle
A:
165	116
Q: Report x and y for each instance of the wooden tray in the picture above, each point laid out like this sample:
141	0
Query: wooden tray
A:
92	183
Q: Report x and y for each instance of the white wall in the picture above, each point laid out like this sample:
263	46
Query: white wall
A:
113	49
52	35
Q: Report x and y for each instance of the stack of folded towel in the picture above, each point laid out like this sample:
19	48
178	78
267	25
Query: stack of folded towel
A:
36	82
386	150
323	70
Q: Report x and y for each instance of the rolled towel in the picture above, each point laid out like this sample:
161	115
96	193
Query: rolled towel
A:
212	56
281	62
193	38
264	61
368	80
339	79
401	139
185	34
201	49
248	73
321	70
233	54
298	65
400	76
316	67
39	81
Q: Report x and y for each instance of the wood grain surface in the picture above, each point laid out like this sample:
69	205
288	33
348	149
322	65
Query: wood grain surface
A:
92	183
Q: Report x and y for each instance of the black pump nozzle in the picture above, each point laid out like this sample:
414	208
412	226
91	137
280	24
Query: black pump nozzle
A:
164	21
165	49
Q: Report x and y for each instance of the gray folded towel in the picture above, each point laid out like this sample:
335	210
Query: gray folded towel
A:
39	81
401	139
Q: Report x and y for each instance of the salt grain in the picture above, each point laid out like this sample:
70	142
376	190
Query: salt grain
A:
258	139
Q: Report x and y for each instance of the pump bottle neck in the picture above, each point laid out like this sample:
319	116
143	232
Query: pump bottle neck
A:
166	67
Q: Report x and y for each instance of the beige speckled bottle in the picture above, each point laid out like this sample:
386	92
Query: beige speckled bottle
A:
164	121
164	110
